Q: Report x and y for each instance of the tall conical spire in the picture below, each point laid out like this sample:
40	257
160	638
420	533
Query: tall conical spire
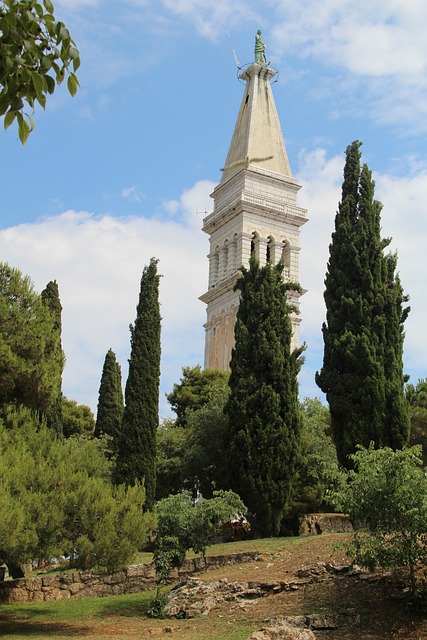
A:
257	139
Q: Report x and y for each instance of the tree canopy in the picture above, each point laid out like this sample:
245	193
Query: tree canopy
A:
386	494
263	409
362	372
137	445
30	359
36	54
194	390
57	498
110	401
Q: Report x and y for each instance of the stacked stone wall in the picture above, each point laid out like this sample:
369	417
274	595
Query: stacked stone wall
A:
91	584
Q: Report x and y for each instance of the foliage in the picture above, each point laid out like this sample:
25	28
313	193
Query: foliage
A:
205	459
362	373
50	298
170	464
387	494
36	52
183	524
416	396
57	498
137	444
30	361
263	408
318	466
77	419
110	402
194	390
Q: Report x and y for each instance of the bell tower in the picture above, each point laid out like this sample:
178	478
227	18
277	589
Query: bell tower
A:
255	210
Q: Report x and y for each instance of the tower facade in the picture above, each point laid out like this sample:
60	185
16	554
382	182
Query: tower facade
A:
255	212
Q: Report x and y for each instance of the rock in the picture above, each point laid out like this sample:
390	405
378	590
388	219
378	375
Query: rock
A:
317	523
282	632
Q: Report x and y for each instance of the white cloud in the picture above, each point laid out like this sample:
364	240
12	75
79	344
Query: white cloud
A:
379	48
213	17
131	194
403	218
97	262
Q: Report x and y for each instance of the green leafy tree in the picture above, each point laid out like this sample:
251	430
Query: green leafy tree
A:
416	396
50	298
362	373
171	476
110	402
205	459
263	408
77	419
194	390
30	362
318	468
58	498
386	493
137	445
36	54
183	524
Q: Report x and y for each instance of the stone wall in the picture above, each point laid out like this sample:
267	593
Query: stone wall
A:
318	523
88	584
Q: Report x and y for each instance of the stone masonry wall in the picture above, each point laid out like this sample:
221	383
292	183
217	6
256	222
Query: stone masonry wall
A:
87	584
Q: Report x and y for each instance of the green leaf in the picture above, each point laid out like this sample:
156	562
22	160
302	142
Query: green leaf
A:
9	118
39	83
23	128
76	63
72	84
50	83
48	5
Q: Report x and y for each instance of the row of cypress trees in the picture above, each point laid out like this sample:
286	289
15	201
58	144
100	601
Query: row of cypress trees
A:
362	372
133	427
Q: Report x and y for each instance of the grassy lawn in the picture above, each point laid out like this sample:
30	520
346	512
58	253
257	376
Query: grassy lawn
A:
125	616
109	618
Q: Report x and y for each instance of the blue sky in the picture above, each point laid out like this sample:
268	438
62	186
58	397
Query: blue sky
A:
123	171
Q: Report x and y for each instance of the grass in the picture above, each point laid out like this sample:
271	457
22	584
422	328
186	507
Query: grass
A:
124	616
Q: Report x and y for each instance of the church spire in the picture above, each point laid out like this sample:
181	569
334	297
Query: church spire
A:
257	139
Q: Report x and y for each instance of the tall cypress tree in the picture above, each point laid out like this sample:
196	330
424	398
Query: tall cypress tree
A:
137	444
263	409
362	373
110	401
50	298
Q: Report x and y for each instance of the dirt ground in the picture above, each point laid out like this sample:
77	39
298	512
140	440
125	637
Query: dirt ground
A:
379	600
370	606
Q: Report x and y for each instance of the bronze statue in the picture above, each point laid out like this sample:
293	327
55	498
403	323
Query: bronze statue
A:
260	49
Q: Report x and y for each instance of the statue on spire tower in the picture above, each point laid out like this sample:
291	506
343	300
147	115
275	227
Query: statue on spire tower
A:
260	49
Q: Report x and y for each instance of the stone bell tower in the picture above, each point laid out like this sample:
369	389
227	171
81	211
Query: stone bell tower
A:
255	210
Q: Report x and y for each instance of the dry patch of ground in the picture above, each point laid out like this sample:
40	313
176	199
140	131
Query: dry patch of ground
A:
370	607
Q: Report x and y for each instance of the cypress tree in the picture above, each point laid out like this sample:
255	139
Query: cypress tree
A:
362	373
263	409
137	444
50	298
110	402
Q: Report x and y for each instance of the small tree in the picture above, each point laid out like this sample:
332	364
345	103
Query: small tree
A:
110	403
184	524
50	298
387	494
137	444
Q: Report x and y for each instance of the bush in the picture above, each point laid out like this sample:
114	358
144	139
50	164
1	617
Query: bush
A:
387	495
